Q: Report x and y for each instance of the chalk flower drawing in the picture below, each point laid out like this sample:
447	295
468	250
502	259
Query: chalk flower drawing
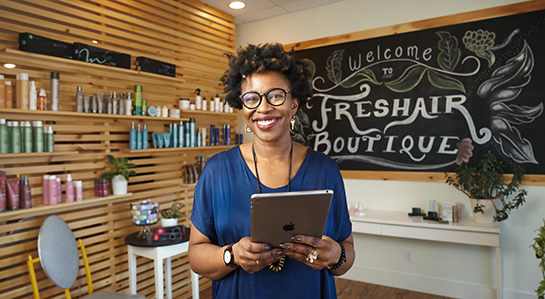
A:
503	87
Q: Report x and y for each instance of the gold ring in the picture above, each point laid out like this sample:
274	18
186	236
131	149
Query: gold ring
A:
312	256
257	262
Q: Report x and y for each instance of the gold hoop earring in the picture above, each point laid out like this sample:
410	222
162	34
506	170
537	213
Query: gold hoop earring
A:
248	130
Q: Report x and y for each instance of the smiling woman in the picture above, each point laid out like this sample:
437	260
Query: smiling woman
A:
269	85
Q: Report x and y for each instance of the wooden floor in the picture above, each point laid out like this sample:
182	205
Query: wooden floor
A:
350	289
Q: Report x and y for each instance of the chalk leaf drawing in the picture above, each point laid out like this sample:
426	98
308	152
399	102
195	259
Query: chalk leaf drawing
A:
333	66
504	86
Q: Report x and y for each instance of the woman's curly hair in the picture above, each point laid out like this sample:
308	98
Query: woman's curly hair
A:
260	58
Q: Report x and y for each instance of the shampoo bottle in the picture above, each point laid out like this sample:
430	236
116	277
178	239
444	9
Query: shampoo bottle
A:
114	104
145	137
54	91
79	100
59	190
198	99
50	140
69	189
22	90
32	96
38	132
217	103
192	132
203	103
139	138
78	188
4	137
174	135
181	134
9	94
42	104
27	137
132	138
45	189
15	137
109	107
52	187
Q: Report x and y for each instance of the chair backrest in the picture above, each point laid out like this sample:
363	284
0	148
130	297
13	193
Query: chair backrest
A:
58	252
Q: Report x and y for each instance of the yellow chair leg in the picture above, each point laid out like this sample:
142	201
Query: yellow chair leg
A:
86	264
32	274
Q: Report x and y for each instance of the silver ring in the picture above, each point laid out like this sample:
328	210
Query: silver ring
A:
257	262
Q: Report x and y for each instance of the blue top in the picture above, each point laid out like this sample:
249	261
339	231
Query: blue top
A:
222	212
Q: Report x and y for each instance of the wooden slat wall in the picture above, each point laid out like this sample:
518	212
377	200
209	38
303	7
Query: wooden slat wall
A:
187	33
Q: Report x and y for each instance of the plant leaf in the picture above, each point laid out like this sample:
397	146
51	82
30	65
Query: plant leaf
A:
516	115
449	55
443	81
488	55
132	173
311	67
107	175
361	76
112	160
408	80
512	144
333	66
130	165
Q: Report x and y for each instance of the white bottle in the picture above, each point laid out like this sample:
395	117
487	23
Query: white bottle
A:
32	96
198	100
217	103
165	111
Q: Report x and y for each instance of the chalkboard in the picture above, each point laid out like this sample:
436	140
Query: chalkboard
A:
429	100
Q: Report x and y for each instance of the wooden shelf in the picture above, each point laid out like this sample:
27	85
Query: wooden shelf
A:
74	66
209	113
43	154
62	207
176	149
87	115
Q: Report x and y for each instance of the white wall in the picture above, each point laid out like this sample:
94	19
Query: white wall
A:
446	269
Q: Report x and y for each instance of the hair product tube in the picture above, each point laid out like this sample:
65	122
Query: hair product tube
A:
100	101
9	94
79	100
3	203
13	194
54	91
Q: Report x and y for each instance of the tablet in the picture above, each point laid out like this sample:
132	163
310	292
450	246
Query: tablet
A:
276	217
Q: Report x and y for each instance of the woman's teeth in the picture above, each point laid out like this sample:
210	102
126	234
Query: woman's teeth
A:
266	122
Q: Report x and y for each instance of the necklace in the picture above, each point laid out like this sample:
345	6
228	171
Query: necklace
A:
283	259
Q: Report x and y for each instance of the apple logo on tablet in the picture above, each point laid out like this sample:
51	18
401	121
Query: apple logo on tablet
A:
289	227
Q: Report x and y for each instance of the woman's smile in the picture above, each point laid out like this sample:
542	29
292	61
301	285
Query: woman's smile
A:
266	122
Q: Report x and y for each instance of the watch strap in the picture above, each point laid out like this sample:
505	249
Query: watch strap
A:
229	250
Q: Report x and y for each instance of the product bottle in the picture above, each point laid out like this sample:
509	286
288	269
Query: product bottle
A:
137	99
165	111
217	103
38	132
26	194
9	94
132	138
109	108
69	189
2	92
203	103
198	99
236	138
42	105
139	138
192	132
45	189
212	105
27	137
32	96
114	104
22	90
59	190
52	187
78	186
50	140
122	104
54	91
15	137
4	137
187	135
145	137
198	138
144	107
128	104
79	100
181	134
174	135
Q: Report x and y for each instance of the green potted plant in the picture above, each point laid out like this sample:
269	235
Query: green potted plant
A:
120	177
539	248
487	189
169	217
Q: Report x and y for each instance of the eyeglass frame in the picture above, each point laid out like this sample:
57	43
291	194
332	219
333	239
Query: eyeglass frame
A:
266	97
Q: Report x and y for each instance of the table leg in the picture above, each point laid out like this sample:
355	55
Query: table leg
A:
132	270
498	273
194	284
169	278
158	265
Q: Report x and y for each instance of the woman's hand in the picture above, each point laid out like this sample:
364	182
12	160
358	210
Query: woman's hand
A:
253	257
327	251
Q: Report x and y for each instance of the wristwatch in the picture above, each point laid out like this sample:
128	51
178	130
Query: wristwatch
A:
229	257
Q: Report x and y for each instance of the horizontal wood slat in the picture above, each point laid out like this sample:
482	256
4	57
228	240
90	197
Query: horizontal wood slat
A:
188	34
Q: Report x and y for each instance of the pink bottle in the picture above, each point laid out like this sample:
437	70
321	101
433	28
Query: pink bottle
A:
69	186
78	185
45	190
59	190
52	190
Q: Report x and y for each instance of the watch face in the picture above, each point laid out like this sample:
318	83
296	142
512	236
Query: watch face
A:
227	257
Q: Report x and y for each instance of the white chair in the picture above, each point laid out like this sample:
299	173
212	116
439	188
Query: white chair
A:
58	255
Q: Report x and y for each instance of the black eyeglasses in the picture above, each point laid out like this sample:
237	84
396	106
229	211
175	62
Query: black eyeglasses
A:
275	97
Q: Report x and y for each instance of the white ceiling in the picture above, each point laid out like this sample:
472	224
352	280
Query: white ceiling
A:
263	9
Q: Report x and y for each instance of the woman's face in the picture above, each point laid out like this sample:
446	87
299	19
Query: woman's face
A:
269	123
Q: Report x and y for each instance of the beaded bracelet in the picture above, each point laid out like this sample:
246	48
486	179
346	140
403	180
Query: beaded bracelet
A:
342	259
